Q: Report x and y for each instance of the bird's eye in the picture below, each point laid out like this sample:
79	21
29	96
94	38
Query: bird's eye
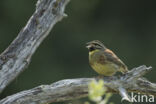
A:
91	49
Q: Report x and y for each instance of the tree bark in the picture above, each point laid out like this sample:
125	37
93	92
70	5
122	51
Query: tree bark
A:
70	89
18	55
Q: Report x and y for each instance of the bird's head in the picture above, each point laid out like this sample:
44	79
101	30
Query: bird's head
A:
95	45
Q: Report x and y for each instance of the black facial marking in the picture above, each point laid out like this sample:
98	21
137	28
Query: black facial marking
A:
91	49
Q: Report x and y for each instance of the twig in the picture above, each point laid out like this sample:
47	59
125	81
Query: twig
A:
70	89
18	55
124	94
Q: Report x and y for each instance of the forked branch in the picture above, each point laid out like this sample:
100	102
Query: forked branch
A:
70	89
18	55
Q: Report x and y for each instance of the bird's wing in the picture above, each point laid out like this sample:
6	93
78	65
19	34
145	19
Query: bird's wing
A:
111	57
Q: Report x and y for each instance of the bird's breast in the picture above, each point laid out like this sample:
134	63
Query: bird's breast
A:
101	65
104	69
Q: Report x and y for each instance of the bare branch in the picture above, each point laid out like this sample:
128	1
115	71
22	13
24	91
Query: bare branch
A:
124	94
70	89
17	56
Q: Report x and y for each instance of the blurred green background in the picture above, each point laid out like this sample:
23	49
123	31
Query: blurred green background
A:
128	27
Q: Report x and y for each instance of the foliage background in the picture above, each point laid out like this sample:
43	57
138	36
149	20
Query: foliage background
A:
126	27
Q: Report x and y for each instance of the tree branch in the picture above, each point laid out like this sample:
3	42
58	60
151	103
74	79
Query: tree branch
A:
17	56
70	89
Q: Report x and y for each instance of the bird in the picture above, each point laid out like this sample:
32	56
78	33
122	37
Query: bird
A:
103	60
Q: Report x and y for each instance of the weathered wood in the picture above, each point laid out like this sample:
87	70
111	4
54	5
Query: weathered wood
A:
18	55
70	89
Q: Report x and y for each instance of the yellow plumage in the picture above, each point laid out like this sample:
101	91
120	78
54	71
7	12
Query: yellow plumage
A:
106	69
103	60
101	65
